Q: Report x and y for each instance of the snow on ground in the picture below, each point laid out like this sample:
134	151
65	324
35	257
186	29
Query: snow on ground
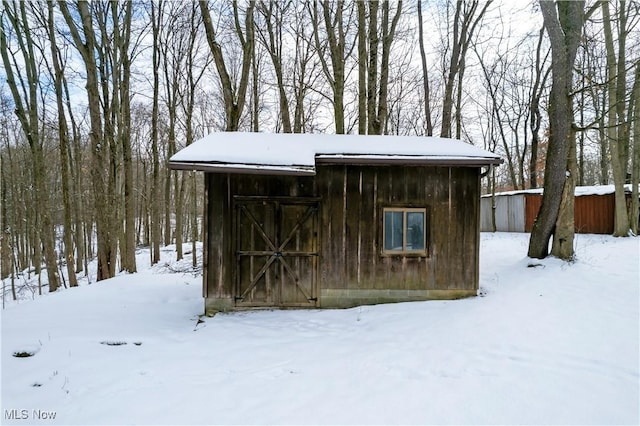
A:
554	343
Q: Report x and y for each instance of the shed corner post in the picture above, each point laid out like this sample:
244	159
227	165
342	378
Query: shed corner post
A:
478	227
205	242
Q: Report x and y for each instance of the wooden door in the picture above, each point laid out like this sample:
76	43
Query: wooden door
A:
276	251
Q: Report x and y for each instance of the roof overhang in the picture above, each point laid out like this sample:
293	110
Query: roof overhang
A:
300	154
249	169
405	160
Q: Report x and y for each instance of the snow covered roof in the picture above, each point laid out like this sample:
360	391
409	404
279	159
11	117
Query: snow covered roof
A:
580	190
298	154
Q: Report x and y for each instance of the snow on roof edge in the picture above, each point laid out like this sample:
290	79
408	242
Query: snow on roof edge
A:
243	168
302	150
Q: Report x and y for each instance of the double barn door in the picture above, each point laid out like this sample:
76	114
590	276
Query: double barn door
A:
276	245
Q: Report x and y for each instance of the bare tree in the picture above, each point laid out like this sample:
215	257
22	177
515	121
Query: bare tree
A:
273	14
494	82
634	113
63	136
467	16
122	77
155	207
193	76
617	124
24	89
377	84
305	71
84	40
563	22
8	206
183	69
425	74
173	52
234	90
596	93
82	237
335	43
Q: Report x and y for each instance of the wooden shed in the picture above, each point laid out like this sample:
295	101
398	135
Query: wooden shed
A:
311	220
594	210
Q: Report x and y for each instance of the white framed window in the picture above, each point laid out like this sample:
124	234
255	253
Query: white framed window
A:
404	230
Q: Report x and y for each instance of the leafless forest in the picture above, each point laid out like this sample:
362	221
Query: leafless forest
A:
96	96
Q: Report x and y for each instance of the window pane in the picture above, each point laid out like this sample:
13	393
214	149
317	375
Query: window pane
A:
415	230
393	230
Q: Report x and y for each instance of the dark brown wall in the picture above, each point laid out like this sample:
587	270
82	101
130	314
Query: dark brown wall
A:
350	223
351	217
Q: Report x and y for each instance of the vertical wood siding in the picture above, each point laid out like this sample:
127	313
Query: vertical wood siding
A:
351	215
350	228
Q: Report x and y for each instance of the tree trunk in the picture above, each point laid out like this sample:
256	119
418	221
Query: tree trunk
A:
425	74
77	187
63	136
616	123
634	213
372	69
564	27
6	252
388	35
373	92
337	52
155	207
122	41
27	112
565	224
604	148
255	94
362	68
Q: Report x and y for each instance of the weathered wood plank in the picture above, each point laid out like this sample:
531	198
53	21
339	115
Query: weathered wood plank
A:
368	225
348	236
352	201
333	263
219	222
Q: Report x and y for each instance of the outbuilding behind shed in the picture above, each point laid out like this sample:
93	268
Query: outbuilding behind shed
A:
515	211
